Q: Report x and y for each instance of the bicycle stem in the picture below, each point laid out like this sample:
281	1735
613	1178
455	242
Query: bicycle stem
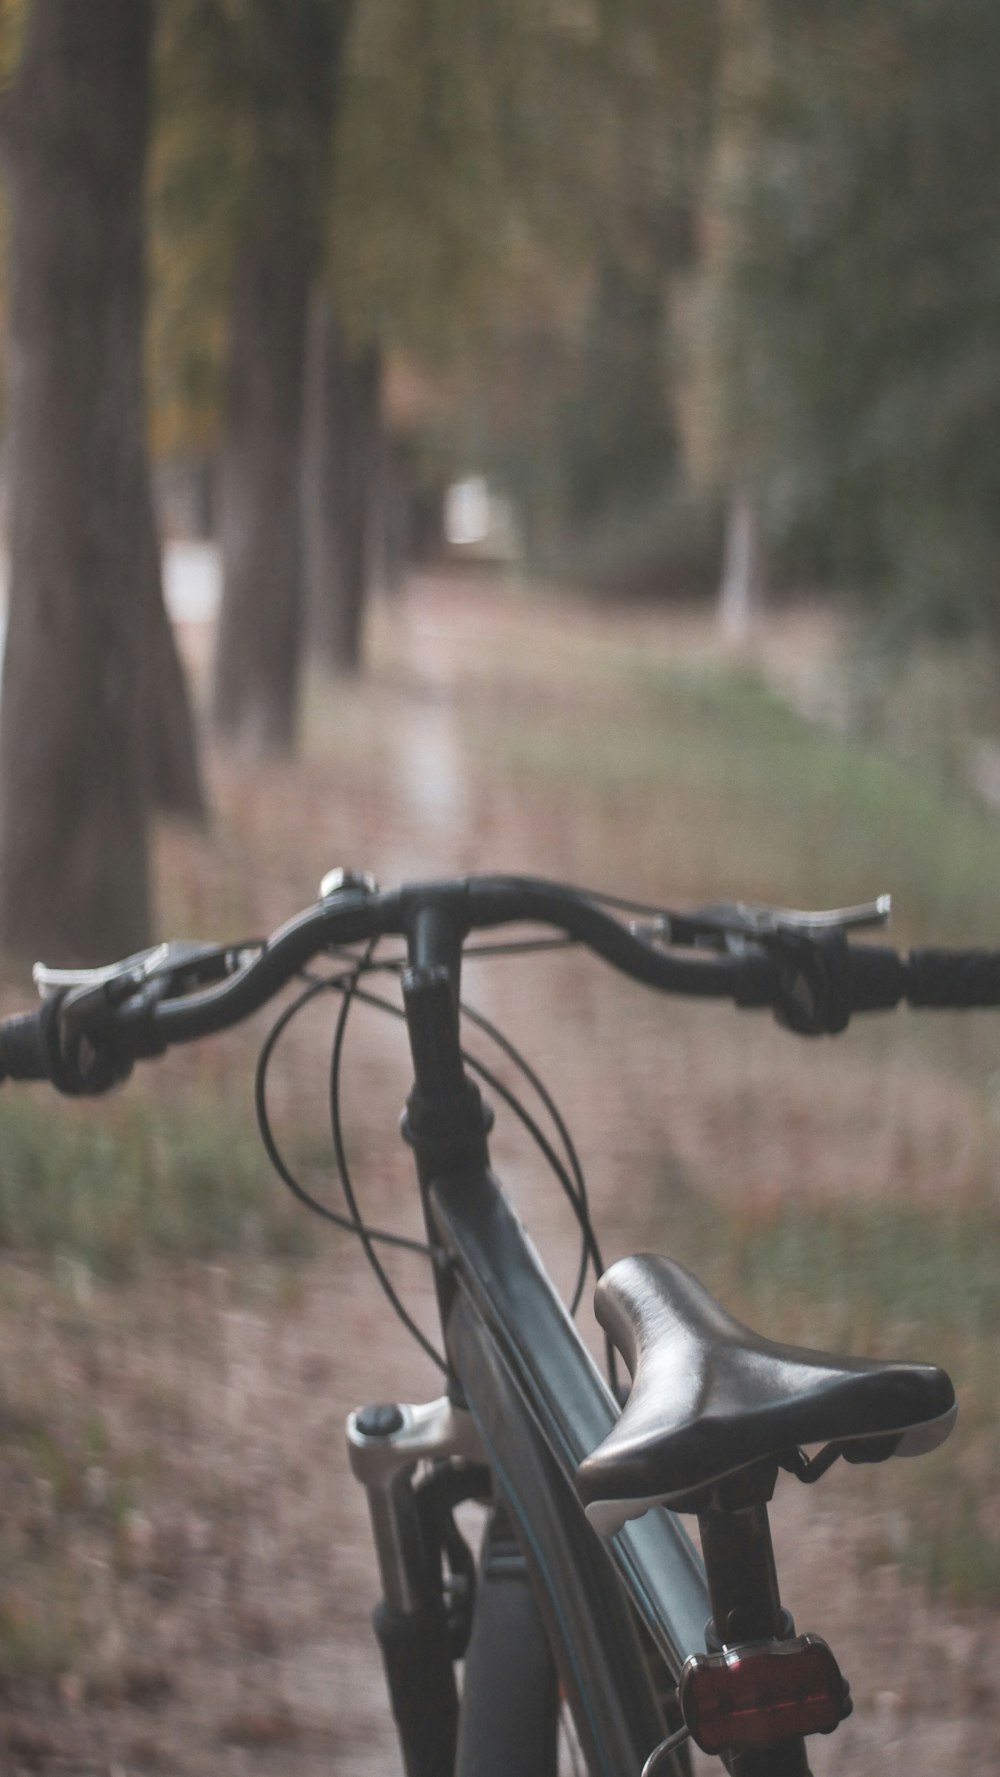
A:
446	1121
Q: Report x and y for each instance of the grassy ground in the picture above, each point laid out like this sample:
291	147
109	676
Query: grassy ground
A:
729	790
175	1367
742	789
117	1188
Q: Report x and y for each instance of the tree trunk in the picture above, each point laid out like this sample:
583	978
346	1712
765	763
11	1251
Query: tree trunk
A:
175	783
295	54
340	475
73	764
742	591
257	650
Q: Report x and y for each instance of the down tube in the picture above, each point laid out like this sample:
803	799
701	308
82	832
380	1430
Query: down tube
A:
513	1343
583	1605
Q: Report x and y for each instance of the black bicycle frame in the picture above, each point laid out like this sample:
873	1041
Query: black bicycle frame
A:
519	1366
540	1405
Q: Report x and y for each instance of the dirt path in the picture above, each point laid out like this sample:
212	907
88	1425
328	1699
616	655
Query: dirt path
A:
226	1601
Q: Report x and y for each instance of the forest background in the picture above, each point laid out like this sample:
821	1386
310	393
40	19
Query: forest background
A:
705	293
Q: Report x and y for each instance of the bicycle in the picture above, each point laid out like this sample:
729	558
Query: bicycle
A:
588	1589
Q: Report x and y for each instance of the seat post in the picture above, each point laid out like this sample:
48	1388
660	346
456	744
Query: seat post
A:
742	1578
743	1589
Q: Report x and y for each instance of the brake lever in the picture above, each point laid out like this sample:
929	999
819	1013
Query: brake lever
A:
760	922
729	924
132	969
168	970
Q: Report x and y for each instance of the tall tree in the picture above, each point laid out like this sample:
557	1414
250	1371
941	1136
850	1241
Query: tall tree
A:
618	431
341	483
852	324
724	409
85	612
416	219
520	229
290	69
487	159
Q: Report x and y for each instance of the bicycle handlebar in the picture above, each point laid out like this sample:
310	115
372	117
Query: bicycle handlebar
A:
86	1037
955	978
23	1047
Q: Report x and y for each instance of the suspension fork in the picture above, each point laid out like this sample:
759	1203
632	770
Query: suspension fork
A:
445	1123
387	1442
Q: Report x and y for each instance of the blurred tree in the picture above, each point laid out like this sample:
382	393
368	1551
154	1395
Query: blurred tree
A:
852	324
418	224
198	180
440	121
604	227
248	95
419	235
342	475
289	65
720	399
90	674
508	208
649	87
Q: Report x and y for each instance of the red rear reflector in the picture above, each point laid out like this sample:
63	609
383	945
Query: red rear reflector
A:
762	1692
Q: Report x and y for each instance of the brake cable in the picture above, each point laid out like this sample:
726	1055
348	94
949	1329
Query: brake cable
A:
568	1171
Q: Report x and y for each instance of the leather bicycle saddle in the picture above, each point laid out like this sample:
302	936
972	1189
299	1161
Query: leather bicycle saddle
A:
710	1397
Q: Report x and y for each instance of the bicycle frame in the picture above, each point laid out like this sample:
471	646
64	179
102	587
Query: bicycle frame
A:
518	1366
540	1404
529	1401
520	1369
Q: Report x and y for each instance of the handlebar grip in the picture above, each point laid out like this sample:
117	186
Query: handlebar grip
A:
33	1046
956	978
876	980
24	1049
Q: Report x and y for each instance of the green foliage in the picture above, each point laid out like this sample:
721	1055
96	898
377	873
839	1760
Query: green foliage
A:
850	342
245	113
444	142
582	423
113	1188
506	193
200	169
642	253
419	207
13	19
